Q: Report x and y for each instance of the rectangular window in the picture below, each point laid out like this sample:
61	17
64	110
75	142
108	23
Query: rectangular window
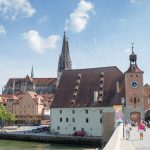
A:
67	119
86	111
101	120
74	128
82	129
87	120
60	119
73	119
100	111
58	128
60	111
73	111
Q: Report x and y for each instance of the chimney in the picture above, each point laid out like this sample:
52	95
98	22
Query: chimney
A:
117	87
95	96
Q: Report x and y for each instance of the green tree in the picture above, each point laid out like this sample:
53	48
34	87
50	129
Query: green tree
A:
5	116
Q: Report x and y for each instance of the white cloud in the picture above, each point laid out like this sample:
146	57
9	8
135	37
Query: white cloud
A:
2	30
42	19
13	8
80	16
40	44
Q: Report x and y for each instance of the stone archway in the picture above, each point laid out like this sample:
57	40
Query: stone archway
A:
135	116
147	115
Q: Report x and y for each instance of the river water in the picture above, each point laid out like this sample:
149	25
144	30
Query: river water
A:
19	145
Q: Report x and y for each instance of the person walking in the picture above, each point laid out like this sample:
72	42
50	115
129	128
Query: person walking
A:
127	130
141	128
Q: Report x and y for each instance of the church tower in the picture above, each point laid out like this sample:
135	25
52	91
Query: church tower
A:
134	90
64	59
32	73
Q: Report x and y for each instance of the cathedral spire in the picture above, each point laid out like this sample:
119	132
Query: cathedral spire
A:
32	72
64	62
64	59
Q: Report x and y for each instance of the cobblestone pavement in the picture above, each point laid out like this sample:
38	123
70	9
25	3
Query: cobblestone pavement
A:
134	143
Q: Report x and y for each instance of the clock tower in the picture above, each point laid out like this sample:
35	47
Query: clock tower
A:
134	90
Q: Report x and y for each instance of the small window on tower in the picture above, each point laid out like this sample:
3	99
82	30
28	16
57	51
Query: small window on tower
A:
136	75
131	75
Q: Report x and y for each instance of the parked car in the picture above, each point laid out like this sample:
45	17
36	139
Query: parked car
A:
79	133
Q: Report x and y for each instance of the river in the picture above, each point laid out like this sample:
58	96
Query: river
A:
19	145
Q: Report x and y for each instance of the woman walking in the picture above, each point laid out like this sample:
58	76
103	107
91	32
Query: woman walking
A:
141	128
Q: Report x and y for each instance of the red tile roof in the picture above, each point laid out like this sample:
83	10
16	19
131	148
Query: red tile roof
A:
89	82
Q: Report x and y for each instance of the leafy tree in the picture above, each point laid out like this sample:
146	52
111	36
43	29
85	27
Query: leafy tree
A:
5	116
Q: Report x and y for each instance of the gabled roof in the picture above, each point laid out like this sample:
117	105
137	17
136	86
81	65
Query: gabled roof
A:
33	95
136	69
89	83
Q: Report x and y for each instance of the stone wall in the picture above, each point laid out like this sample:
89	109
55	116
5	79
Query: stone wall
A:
88	141
108	125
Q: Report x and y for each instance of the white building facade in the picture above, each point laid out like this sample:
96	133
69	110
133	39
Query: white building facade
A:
68	120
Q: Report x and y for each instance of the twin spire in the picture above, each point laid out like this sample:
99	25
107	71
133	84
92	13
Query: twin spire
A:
64	58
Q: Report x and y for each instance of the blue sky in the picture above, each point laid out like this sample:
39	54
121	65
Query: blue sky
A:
100	34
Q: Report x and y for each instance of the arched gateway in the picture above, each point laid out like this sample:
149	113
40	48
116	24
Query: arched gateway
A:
147	115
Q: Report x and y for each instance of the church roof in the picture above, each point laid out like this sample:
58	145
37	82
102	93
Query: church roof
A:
35	80
89	82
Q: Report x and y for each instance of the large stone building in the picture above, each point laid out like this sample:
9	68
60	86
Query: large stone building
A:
85	97
29	83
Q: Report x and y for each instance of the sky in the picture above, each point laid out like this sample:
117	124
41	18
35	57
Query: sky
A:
100	33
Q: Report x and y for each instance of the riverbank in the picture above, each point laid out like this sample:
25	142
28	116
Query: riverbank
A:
24	134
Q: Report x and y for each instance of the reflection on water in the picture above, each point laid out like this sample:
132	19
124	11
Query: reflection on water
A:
19	145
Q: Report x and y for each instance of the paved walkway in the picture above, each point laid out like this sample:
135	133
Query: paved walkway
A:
117	142
134	143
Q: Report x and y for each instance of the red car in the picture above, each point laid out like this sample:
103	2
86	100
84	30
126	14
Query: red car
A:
79	133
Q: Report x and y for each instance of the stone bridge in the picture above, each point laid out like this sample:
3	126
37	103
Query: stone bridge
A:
117	142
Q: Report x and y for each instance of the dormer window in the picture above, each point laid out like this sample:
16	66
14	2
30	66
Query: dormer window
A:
76	88
72	101
101	81
79	75
74	94
78	81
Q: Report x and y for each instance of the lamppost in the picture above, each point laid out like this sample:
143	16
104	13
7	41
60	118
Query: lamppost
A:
123	104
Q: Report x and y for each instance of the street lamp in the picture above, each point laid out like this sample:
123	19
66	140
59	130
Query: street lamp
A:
123	104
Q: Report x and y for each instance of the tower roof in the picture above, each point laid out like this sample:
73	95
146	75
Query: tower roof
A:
64	58
133	62
32	72
133	57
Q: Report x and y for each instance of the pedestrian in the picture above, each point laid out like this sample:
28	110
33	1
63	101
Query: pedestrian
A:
127	130
141	128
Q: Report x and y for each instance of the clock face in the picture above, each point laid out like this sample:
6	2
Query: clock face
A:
134	84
